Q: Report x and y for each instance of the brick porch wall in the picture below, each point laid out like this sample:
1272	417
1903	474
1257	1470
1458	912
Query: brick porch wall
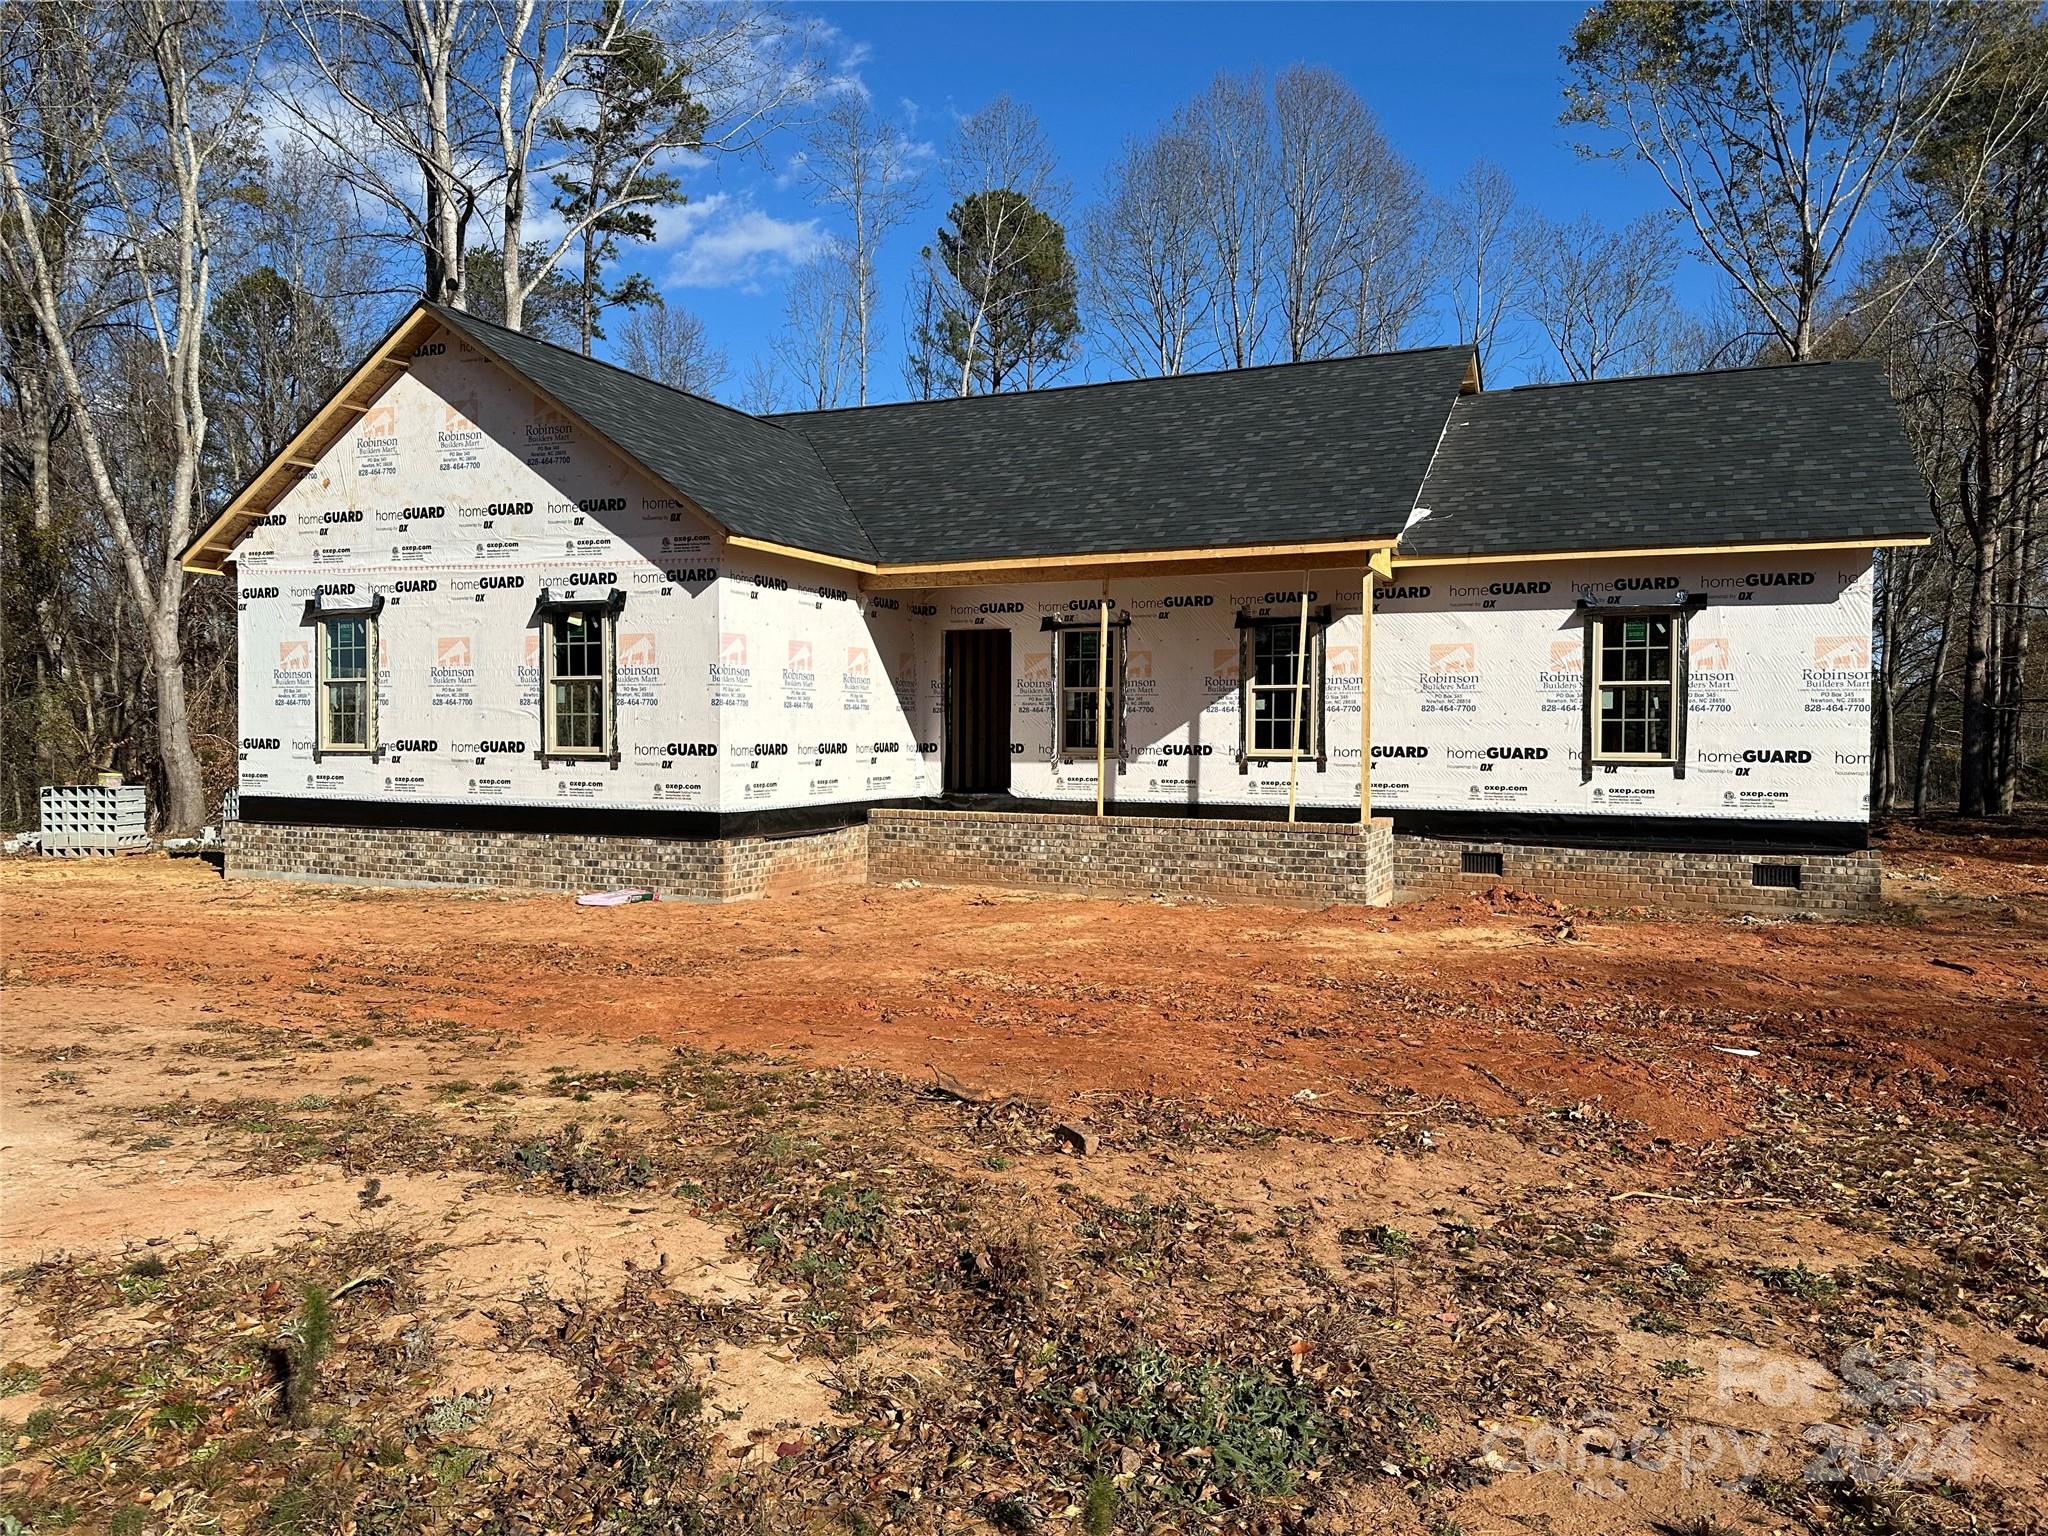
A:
1689	880
708	869
1314	863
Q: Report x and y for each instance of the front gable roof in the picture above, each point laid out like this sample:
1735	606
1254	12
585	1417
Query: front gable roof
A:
747	474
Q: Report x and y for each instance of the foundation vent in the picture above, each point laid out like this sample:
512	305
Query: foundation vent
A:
1774	877
1477	862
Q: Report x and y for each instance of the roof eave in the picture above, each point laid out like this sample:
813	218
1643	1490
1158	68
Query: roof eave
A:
1759	547
388	362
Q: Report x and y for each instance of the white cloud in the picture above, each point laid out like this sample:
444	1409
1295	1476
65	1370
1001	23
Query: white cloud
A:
722	241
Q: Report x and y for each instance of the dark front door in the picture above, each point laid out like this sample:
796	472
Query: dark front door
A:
977	711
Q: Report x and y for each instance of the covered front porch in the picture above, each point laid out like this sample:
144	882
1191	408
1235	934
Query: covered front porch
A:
1193	725
1229	684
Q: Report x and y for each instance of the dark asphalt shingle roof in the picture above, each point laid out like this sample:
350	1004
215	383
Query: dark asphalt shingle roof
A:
1287	454
753	477
1758	455
1296	453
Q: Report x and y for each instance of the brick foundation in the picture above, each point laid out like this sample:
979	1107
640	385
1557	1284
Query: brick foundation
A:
1313	863
1687	880
680	869
1310	863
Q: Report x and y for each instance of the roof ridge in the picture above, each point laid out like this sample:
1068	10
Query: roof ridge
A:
1790	365
1152	378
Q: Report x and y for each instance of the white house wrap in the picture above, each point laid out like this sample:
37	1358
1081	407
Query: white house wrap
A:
584	591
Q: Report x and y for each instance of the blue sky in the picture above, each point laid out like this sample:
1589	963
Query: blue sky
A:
1450	83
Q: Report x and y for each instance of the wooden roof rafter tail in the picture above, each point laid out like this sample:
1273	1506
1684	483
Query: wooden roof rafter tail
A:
388	362
793	552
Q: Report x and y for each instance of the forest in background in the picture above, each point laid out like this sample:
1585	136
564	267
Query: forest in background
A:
208	213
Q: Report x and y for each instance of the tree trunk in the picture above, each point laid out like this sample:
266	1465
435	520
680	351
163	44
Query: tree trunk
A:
184	808
515	227
587	289
2016	643
1883	735
1973	797
1923	760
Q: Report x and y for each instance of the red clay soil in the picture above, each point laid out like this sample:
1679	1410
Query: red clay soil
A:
1497	1001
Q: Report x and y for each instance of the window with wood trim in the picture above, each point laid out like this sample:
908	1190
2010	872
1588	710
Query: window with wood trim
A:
1635	690
576	692
1077	655
346	645
1276	666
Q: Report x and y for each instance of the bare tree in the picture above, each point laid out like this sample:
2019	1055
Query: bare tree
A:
1772	127
1231	124
761	393
1002	165
168	113
1484	242
816	343
1394	259
925	316
1145	273
543	45
465	104
864	165
1602	296
392	102
672	345
1325	140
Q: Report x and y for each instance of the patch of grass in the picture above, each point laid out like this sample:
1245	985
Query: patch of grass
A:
1679	1369
453	1463
142	1279
603	1165
1816	1290
1011	1513
1236	1425
1098	1507
1656	1320
1682	1281
16	1378
298	1358
448	1416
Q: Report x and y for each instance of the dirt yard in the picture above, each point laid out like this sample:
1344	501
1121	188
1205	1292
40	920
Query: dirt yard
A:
348	1211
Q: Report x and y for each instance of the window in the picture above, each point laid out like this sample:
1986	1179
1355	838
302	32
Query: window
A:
347	691
576	696
1635	688
1077	657
1273	659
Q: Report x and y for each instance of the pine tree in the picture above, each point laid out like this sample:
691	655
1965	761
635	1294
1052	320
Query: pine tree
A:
639	95
1016	309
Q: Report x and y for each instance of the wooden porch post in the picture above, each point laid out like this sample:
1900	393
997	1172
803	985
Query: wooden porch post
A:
1300	683
1365	697
1101	701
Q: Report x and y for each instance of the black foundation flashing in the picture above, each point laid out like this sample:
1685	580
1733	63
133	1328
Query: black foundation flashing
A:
1691	834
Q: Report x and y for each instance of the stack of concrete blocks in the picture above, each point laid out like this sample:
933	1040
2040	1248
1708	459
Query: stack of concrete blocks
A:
80	819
